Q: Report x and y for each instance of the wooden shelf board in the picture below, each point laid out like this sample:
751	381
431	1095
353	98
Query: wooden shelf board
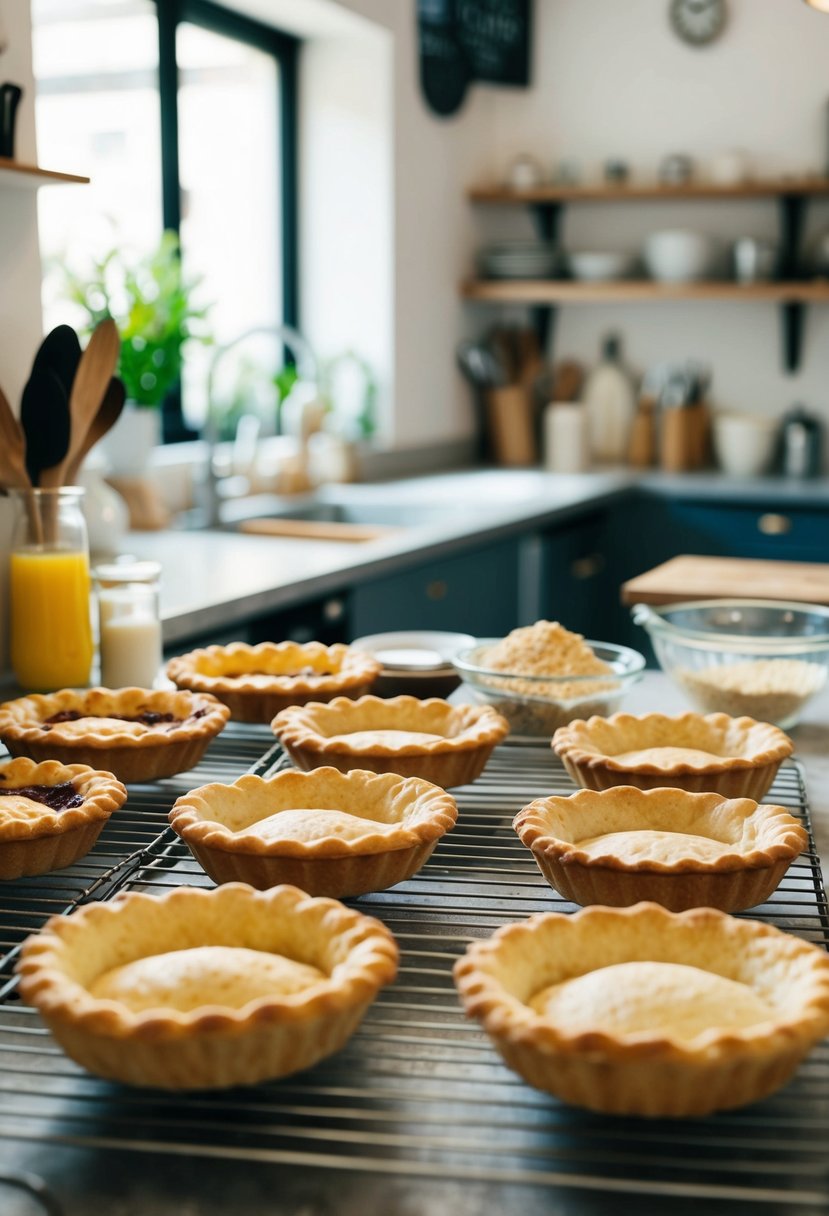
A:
765	188
547	291
17	173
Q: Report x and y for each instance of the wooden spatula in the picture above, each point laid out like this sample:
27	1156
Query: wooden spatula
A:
109	411
92	378
44	416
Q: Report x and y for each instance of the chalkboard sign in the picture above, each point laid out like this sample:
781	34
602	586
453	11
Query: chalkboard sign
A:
444	67
466	40
495	35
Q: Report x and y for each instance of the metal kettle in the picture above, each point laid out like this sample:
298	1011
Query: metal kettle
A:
801	444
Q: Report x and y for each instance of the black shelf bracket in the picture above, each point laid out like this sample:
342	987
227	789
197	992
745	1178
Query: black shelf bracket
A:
792	219
544	319
547	220
792	208
793	320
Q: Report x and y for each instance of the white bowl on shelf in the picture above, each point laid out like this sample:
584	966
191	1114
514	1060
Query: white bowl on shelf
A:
678	255
601	265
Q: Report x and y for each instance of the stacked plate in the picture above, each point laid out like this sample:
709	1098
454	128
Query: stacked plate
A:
519	260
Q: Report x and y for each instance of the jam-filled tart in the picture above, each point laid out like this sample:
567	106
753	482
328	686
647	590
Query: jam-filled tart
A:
139	734
443	743
641	1011
204	989
51	814
256	682
327	832
701	753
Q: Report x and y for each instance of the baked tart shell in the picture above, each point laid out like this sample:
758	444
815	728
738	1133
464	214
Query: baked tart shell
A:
53	840
649	1073
740	878
327	865
579	746
253	699
213	1045
318	735
132	758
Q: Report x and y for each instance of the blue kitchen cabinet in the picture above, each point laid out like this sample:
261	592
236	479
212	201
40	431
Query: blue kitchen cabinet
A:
575	577
475	592
648	529
783	533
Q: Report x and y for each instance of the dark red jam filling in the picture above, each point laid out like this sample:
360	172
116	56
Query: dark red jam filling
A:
58	797
148	718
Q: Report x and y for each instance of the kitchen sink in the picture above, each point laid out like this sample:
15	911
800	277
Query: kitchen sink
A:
384	506
393	515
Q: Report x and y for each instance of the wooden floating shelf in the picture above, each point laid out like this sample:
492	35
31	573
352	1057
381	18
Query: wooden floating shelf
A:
546	291
16	173
801	187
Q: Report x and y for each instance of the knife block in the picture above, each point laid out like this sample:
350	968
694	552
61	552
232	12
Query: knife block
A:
510	424
683	438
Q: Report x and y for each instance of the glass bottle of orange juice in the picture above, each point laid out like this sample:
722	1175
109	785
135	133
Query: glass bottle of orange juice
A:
51	634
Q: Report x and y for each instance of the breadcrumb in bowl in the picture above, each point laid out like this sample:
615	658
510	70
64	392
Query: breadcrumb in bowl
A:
542	676
764	659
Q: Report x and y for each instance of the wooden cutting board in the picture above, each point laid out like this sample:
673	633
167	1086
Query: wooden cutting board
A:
704	578
308	529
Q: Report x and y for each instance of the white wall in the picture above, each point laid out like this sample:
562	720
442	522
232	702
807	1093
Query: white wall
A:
20	319
429	224
613	81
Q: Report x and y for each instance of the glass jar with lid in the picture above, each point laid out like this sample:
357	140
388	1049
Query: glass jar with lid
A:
51	631
130	623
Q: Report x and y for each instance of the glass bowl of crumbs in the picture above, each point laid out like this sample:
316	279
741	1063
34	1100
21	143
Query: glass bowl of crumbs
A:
542	676
765	659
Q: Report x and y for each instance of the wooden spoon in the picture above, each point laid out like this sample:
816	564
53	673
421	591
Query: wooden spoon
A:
13	464
90	384
108	414
12	449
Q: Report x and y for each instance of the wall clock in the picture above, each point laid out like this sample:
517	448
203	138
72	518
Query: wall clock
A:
698	22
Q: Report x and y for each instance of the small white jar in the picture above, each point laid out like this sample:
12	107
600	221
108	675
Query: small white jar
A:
130	624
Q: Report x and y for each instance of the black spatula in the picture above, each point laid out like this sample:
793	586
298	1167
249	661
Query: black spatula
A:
44	416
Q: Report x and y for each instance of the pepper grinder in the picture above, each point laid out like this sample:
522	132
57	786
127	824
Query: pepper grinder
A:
10	95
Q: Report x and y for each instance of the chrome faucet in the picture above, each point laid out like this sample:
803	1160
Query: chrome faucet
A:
207	495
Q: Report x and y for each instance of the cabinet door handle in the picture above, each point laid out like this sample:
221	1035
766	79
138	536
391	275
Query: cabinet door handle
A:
333	610
588	567
437	590
774	525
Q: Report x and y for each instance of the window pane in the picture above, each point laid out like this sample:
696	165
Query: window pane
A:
97	113
229	167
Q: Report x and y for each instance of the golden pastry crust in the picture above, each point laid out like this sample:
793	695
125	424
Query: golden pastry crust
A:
658	1067
34	838
211	1044
327	832
256	682
681	850
443	743
736	757
96	733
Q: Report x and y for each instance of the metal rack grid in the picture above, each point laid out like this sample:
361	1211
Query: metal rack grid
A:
419	1092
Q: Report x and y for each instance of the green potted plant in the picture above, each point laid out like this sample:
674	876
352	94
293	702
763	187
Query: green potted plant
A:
151	301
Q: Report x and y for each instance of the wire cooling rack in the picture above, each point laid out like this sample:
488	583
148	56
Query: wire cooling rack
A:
419	1094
